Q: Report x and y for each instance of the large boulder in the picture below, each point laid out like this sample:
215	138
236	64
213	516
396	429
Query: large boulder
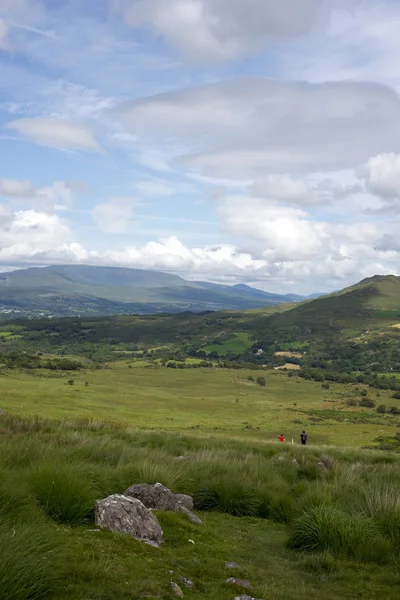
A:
128	515
159	497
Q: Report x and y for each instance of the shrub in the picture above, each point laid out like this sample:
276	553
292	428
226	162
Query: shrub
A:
351	402
367	403
396	396
381	409
347	535
64	492
261	381
394	410
71	382
28	567
250	378
325	386
364	393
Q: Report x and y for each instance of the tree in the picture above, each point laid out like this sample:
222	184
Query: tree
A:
261	381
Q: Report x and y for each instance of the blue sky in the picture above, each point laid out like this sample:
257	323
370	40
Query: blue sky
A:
254	142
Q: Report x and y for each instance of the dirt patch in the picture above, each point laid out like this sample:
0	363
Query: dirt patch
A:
289	367
294	354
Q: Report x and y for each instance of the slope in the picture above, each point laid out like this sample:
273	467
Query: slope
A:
82	289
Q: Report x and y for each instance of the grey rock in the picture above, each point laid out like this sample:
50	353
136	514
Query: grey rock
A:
281	458
232	565
240	582
188	583
322	467
244	597
294	461
181	457
130	516
177	590
159	497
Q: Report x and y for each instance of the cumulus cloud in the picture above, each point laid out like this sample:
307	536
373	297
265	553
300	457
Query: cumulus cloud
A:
382	175
218	30
28	234
115	215
56	133
249	128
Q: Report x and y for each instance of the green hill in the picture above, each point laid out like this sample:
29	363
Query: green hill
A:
87	290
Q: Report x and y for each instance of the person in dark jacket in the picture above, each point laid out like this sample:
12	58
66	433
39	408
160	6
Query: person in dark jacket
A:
303	437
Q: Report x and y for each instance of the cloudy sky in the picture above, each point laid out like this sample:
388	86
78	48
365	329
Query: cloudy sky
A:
234	141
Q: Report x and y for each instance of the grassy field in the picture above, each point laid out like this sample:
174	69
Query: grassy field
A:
204	400
254	502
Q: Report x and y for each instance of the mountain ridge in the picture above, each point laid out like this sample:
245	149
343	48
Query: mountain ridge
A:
95	290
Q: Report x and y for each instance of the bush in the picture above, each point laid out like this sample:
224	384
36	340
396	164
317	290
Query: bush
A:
250	378
381	409
71	382
367	403
347	535
261	381
28	567
64	492
396	396
325	386
364	393
351	402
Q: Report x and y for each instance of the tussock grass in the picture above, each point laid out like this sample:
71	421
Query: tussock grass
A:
63	491
28	563
349	536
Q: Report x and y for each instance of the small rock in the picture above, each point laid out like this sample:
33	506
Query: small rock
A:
181	457
232	565
186	582
244	597
177	590
322	467
281	458
240	582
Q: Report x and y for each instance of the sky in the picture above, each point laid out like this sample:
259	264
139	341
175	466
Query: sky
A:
248	142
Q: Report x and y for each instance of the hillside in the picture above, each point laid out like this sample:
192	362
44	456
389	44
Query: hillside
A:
87	290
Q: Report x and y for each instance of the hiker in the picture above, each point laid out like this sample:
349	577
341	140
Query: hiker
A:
303	437
281	438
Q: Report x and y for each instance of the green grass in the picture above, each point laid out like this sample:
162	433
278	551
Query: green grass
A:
238	344
254	499
202	400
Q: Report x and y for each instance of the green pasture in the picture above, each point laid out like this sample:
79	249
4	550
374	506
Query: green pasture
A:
203	400
238	344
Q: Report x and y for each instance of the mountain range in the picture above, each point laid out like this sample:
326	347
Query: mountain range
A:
88	290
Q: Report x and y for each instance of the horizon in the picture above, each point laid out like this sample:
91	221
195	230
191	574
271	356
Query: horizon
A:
233	146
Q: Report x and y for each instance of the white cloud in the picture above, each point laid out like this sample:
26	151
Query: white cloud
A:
57	196
10	187
28	234
115	215
382	176
56	133
251	128
217	30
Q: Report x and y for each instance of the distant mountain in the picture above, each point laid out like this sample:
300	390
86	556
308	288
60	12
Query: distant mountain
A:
372	304
87	290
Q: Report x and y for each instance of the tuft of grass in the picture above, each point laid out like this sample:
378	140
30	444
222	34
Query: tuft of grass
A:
64	492
349	536
28	563
322	563
227	495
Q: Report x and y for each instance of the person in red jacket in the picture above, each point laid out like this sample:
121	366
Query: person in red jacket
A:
281	438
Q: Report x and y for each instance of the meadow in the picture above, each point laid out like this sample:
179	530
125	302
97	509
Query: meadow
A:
320	521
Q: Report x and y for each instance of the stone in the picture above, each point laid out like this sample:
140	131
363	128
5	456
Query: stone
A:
188	583
159	497
177	590
128	515
239	582
232	565
322	467
244	597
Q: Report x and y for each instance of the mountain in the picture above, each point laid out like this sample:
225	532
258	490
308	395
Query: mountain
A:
371	304
87	290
